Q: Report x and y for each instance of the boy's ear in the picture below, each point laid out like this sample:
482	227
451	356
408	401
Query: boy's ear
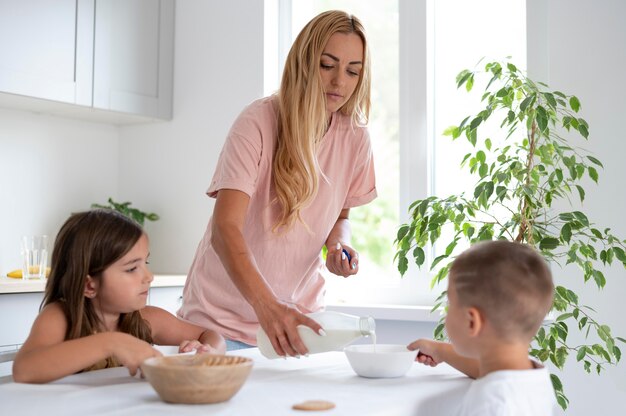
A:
91	287
475	320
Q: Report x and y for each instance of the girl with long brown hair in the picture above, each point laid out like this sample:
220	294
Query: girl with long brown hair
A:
94	312
292	167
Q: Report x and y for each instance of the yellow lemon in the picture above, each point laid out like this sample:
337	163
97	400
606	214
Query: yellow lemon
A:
17	273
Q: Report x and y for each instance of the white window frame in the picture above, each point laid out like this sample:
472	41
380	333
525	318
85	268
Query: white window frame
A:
415	130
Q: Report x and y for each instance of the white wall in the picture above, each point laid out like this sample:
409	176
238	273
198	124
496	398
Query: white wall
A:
167	167
587	56
49	167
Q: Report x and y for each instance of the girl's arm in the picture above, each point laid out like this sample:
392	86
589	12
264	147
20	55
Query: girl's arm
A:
46	356
278	319
167	329
337	261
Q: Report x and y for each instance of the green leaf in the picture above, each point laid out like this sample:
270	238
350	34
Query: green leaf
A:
564	316
462	77
593	173
566	233
584	131
582	352
562	401
438	332
510	116
581	192
472	136
574	103
418	254
595	161
470	83
599	278
402	231
450	247
542	118
468	230
582	218
604	332
550	99
572	297
403	265
437	260
452	131
476	122
556	382
483	170
619	253
561	356
524	105
549	243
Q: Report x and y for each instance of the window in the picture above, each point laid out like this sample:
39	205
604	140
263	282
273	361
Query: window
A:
417	47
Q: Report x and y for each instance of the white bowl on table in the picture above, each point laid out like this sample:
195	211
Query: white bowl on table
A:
381	360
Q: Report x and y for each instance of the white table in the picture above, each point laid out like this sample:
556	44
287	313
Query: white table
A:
272	388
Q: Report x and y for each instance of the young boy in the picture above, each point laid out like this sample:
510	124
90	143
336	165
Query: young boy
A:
499	292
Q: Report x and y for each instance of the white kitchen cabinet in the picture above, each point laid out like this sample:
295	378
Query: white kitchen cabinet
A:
113	55
19	310
133	56
47	48
17	314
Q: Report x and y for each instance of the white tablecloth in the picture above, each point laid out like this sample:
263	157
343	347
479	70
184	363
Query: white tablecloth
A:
272	388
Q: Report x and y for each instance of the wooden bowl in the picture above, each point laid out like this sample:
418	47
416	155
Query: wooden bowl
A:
195	379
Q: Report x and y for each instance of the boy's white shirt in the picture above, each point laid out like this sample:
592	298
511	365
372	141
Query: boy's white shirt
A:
511	392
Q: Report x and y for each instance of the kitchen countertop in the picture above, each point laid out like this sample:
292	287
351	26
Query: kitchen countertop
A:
10	285
271	389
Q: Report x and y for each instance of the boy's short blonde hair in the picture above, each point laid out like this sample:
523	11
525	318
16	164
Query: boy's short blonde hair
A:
509	282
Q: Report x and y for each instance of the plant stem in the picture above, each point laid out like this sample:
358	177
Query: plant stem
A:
525	228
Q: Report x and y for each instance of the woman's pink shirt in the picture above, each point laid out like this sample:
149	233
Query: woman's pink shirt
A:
290	262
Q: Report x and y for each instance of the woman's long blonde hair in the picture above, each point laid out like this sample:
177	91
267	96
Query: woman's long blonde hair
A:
302	119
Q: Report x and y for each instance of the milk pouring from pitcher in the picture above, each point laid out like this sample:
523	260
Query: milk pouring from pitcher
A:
341	329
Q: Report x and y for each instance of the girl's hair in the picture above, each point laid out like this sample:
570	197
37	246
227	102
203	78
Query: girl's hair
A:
509	282
302	119
86	245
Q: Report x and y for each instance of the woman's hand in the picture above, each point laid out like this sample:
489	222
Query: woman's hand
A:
342	260
280	321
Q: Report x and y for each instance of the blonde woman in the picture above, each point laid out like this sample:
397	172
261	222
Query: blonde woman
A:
292	166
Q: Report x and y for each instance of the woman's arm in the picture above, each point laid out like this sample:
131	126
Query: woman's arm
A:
167	329
278	319
337	261
46	356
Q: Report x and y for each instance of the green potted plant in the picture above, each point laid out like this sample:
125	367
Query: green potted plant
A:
125	209
519	179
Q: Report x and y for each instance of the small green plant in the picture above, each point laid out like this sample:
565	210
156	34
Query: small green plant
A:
518	181
125	209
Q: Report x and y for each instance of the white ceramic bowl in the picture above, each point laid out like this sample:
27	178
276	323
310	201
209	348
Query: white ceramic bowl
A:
380	361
